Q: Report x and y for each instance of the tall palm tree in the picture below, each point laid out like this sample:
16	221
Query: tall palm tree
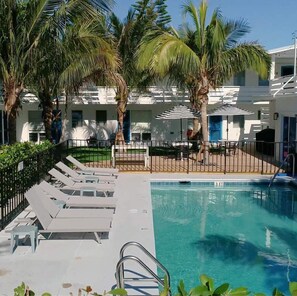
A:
22	28
203	56
63	65
144	15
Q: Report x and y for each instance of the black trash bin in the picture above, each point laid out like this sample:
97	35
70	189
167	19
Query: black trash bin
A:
265	141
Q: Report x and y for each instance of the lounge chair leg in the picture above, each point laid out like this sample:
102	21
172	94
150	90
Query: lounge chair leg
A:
97	237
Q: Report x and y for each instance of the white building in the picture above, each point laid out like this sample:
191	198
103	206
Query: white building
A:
93	113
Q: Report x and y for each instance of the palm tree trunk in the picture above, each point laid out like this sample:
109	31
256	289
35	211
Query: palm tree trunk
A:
205	131
47	109
122	100
12	92
11	129
121	110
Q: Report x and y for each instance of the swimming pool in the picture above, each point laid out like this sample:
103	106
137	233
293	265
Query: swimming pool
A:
235	233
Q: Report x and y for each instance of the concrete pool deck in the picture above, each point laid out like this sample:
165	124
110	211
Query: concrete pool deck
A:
65	263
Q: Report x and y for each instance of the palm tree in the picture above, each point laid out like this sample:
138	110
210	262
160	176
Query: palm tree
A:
64	65
144	15
22	29
202	58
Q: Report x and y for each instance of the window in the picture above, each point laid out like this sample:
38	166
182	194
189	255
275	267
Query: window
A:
238	121
259	114
101	117
146	136
35	117
37	137
35	120
141	125
239	79
263	82
77	119
136	137
287	70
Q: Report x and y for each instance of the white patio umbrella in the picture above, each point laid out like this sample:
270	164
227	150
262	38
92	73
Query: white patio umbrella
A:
179	112
226	110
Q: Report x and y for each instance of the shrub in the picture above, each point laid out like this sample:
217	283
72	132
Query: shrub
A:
23	290
10	154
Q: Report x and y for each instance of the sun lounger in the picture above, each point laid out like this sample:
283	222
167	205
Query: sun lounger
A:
63	225
78	201
85	169
57	212
83	178
71	184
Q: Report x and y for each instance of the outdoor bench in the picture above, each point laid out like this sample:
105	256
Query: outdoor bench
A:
131	153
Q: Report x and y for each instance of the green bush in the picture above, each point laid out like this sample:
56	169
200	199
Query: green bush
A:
10	154
206	288
23	290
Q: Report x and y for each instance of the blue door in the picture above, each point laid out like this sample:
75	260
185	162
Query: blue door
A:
215	128
126	126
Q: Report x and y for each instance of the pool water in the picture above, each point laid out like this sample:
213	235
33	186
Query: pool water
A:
240	234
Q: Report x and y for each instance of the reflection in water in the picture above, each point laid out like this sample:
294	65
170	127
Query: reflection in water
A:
227	232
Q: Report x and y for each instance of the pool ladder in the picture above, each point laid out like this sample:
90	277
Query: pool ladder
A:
120	271
280	167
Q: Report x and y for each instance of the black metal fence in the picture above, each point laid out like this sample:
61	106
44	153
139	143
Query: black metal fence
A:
153	156
19	177
185	156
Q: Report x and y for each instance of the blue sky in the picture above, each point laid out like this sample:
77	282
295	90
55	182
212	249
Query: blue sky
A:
272	22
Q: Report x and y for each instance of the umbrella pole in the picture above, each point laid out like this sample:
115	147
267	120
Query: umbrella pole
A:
227	126
181	129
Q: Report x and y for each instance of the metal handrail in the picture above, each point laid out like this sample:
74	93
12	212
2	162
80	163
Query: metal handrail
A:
120	279
285	160
120	265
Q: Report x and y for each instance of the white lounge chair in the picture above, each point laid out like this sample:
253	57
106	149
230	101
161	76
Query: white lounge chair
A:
62	225
81	186
57	212
85	169
84	178
72	201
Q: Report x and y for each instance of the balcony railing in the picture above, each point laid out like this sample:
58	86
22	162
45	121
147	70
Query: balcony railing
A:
106	95
283	86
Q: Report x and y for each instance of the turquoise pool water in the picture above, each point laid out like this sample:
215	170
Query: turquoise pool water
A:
238	234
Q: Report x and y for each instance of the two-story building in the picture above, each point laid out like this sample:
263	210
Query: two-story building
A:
93	111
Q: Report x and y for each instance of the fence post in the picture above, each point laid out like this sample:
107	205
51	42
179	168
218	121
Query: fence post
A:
188	159
151	156
225	158
262	158
2	200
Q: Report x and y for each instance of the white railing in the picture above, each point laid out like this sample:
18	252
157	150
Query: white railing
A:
106	95
283	86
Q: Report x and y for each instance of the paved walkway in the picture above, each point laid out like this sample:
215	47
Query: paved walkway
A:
63	263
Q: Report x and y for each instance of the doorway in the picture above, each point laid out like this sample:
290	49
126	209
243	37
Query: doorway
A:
215	128
289	135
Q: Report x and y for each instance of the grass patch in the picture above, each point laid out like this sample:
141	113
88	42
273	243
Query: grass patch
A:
90	154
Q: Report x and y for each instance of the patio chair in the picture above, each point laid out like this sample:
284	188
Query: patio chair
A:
81	186
84	169
62	225
83	178
72	201
57	212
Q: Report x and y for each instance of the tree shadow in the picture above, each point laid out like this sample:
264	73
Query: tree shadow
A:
231	250
228	249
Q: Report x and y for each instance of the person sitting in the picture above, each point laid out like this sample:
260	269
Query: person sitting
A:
189	133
